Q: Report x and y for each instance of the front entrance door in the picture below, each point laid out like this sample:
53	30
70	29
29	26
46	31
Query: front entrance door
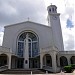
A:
20	63
28	47
34	63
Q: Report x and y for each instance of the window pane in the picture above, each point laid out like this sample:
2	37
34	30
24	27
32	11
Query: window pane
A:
32	36
34	49
32	43
20	48
22	37
29	49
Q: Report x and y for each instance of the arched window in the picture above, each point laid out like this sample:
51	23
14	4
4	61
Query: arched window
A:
32	44
72	60
47	60
3	59
63	61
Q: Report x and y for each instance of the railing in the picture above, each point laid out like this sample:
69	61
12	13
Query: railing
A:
45	49
50	48
2	68
48	68
67	52
4	49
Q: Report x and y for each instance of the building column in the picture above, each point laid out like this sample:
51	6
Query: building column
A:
44	61
54	65
9	61
58	61
26	53
41	61
68	59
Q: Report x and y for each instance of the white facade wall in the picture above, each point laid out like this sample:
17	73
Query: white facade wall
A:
11	33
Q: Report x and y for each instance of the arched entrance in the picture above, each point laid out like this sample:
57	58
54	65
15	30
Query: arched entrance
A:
47	60
72	60
3	59
63	61
28	48
57	63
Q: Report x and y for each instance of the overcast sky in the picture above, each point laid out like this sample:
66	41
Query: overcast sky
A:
14	11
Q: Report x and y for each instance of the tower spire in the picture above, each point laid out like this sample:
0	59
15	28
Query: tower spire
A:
28	18
51	3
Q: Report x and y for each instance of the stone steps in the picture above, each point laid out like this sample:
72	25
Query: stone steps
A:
22	71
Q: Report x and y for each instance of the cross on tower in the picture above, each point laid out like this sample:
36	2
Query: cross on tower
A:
51	3
28	18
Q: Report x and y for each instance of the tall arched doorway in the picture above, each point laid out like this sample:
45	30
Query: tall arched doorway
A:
63	61
47	60
28	40
3	59
72	60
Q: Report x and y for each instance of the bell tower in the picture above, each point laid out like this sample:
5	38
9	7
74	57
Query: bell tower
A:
54	23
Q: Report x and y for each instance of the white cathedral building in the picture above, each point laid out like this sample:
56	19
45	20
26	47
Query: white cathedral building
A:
32	45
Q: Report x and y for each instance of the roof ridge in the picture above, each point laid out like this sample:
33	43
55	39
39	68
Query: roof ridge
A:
26	22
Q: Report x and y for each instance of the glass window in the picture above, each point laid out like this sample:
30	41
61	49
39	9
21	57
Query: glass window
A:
53	9
20	48
32	43
30	50
34	49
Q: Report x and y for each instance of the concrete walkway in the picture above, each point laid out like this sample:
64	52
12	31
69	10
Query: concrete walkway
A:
62	73
43	74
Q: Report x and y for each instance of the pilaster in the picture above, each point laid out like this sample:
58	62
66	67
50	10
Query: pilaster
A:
54	65
9	61
26	53
68	59
41	61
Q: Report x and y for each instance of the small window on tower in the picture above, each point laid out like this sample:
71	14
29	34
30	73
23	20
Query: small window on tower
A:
50	10
53	9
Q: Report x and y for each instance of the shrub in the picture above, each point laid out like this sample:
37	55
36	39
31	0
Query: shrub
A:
73	66
68	69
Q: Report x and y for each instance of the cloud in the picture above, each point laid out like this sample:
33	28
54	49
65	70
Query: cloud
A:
12	11
68	18
1	37
1	34
69	43
69	39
